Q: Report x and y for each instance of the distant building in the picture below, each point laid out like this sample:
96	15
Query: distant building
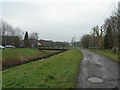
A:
50	43
42	42
46	42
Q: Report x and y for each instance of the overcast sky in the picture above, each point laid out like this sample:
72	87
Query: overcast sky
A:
57	19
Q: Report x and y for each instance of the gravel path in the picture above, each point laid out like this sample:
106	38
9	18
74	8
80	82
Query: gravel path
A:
102	71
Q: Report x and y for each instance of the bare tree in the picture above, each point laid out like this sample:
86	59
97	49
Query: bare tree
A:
85	41
99	33
34	39
19	32
10	35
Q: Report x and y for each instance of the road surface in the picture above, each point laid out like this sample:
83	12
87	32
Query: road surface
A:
97	71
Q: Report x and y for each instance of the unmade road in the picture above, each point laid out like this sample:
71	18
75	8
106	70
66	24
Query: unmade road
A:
96	65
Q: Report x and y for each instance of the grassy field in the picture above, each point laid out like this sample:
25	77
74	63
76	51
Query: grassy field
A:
59	71
11	57
21	52
108	53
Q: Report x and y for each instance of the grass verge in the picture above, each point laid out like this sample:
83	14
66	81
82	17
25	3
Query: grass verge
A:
59	71
108	53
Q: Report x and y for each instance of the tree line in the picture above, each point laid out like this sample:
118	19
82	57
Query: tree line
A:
105	36
19	38
15	36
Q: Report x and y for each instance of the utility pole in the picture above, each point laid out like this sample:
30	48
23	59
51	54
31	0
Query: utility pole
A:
119	40
119	25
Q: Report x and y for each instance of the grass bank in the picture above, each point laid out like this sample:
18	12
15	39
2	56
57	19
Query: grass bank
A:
21	52
108	53
12	57
59	71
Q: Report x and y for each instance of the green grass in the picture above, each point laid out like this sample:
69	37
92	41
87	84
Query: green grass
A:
108	53
12	57
55	47
20	52
11	53
59	71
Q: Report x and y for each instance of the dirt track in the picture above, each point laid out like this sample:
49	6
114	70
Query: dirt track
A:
96	65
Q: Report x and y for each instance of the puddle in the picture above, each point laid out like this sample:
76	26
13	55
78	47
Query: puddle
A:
95	80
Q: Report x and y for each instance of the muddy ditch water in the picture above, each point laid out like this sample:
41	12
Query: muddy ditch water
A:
61	51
